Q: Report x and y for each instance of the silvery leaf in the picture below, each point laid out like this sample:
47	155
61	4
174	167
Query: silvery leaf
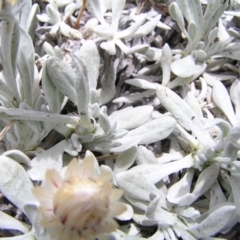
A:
104	121
117	7
53	14
141	83
217	195
73	146
124	144
212	14
8	222
119	133
90	56
95	101
222	31
151	54
103	31
184	67
205	180
139	204
199	55
192	11
48	48
157	213
234	46
142	48
87	138
135	185
210	78
109	47
163	26
145	156
32	211
49	159
174	145
183	113
7	95
166	60
58	52
94	110
188	212
15	183
179	192
82	90
192	29
22	11
18	156
106	146
67	31
224	126
130	118
69	10
95	7
213	34
234	167
143	220
222	100
235	97
106	5
44	18
210	224
199	69
194	104
133	28
134	97
53	96
55	30
19	114
176	14
32	21
108	79
125	160
152	131
9	48
156	172
169	157
234	180
62	76
145	29
185	234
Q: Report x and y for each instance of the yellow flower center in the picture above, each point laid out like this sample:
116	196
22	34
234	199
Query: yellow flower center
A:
82	204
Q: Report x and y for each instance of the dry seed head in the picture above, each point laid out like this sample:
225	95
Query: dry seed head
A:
80	206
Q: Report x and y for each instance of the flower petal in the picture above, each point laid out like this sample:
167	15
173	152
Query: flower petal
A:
116	209
53	180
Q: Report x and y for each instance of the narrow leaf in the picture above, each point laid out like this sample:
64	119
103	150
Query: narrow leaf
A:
152	131
8	222
15	183
222	100
130	118
183	113
135	185
62	76
125	160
